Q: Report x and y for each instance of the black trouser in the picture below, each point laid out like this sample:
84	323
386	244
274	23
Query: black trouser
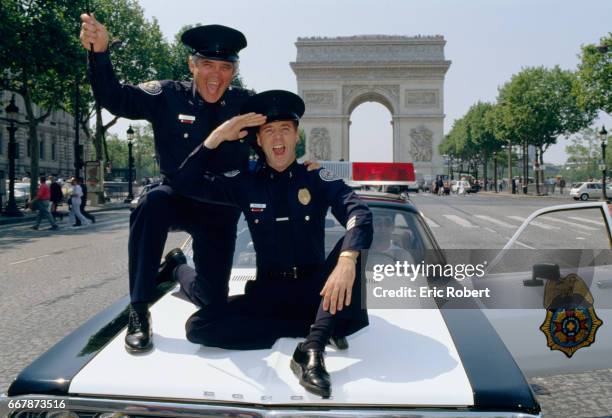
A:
212	227
84	212
271	309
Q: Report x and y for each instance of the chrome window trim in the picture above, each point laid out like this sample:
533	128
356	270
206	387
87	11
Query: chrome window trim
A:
184	409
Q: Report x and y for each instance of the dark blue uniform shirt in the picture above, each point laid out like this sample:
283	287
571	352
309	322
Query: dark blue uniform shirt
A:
285	211
181	118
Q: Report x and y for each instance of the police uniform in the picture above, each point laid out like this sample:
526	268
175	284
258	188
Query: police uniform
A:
181	119
285	212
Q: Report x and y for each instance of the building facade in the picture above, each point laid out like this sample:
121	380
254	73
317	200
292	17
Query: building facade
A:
56	142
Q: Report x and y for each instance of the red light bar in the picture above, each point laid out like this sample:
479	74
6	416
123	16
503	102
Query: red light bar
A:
383	173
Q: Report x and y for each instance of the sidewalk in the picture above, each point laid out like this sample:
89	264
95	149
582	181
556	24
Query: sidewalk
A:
520	195
31	216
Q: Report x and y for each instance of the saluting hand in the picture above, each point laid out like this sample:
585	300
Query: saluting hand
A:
233	129
339	286
93	32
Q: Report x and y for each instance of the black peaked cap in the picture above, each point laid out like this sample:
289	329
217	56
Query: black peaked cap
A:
216	42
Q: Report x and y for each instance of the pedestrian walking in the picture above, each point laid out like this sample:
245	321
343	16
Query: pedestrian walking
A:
76	195
42	203
561	185
56	197
86	214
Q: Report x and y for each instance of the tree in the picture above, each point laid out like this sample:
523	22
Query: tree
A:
300	149
583	155
36	53
594	87
538	105
481	133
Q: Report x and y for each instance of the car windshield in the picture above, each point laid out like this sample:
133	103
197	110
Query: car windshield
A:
576	185
398	236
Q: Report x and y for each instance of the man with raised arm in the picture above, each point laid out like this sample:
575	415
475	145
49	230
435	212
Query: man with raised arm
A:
297	291
182	115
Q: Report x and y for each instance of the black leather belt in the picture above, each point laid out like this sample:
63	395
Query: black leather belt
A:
293	273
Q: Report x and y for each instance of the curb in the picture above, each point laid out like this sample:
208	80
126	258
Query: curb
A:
29	217
525	196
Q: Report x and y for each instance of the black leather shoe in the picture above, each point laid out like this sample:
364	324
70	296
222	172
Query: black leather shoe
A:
139	337
309	367
173	259
339	343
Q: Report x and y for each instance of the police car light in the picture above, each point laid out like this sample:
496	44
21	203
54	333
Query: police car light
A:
383	173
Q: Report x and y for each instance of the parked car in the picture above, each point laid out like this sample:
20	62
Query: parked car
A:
413	186
588	190
22	194
419	358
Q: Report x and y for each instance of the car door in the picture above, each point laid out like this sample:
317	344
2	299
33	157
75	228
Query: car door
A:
553	290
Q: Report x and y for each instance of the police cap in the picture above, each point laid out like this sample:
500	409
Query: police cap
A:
215	42
275	105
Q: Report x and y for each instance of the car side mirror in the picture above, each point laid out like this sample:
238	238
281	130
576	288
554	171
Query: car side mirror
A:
544	271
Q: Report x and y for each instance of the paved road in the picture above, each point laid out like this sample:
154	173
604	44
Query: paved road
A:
488	222
52	282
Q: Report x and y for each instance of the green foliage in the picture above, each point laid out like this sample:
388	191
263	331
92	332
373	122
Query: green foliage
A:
300	149
584	155
143	152
179	55
594	87
537	105
36	53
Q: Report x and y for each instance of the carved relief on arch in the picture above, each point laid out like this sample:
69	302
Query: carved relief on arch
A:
319	144
421	143
354	95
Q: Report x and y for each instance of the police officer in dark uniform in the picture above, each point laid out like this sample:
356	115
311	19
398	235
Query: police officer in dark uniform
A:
182	115
297	291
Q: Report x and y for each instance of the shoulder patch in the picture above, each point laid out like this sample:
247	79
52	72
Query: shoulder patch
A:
327	175
151	87
232	173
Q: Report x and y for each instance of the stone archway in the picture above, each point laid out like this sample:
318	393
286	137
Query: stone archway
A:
404	74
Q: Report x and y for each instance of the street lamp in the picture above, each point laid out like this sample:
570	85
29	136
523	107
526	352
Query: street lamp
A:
495	170
130	138
603	135
12	112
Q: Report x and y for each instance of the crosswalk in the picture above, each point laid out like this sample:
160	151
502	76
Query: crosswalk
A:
509	223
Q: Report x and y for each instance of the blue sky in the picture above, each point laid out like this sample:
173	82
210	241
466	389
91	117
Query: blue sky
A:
487	42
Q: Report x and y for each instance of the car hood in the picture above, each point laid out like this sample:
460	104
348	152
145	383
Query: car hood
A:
405	357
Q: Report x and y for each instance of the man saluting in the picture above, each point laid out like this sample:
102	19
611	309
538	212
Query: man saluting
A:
297	292
182	114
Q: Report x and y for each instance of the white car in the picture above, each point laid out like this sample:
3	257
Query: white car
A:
418	357
589	190
458	185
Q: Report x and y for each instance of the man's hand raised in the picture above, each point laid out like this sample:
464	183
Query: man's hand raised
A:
233	129
93	32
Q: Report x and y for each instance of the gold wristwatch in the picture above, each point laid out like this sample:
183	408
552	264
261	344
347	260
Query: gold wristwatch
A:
350	254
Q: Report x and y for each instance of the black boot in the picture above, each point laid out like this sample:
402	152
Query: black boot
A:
308	366
139	337
339	343
173	259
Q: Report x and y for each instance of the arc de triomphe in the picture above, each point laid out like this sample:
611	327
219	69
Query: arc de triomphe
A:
404	74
